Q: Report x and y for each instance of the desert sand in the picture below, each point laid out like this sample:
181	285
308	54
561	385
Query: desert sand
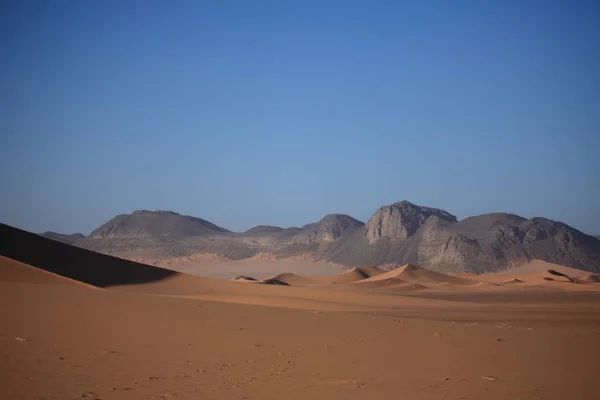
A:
260	266
81	325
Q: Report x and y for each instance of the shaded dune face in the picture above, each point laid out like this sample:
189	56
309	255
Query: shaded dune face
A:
594	278
76	263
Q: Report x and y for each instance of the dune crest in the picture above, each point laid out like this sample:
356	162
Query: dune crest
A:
289	279
540	266
414	274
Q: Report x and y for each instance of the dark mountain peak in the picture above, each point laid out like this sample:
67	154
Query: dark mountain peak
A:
482	226
409	209
401	220
404	203
495	217
538	229
544	221
341	219
144	223
158	212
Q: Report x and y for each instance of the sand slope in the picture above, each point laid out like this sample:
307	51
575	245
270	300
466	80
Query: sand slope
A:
14	271
352	275
414	274
150	334
537	273
151	347
144	347
539	266
260	266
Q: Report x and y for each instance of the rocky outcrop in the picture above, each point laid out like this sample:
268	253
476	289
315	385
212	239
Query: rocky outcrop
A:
329	229
405	233
435	244
401	220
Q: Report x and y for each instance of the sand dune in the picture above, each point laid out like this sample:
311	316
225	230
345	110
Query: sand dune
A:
513	280
414	274
392	284
537	272
243	278
143	347
74	262
377	283
150	333
594	278
106	271
259	267
539	266
405	287
14	271
290	279
353	275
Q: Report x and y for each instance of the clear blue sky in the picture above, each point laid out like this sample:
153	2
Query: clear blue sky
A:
279	112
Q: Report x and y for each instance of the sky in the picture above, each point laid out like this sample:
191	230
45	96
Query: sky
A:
280	112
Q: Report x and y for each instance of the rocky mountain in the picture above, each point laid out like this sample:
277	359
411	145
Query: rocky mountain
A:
144	224
406	233
401	220
396	234
329	229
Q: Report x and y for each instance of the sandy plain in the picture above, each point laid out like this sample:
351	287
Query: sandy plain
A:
81	325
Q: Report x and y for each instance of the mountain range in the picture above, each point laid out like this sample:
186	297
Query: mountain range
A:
395	235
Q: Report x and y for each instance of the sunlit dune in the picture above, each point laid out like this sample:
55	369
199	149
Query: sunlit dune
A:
82	325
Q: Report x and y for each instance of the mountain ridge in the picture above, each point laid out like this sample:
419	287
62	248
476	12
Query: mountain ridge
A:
396	234
152	223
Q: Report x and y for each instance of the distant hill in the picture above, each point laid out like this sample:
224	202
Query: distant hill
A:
145	223
61	237
264	229
396	234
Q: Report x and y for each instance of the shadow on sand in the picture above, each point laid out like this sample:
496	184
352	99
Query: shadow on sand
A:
75	263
